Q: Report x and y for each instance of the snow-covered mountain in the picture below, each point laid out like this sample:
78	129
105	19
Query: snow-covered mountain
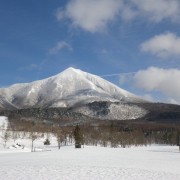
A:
63	90
69	88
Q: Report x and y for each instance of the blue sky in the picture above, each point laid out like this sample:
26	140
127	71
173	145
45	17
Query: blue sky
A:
137	39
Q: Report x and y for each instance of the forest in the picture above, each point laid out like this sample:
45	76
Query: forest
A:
107	134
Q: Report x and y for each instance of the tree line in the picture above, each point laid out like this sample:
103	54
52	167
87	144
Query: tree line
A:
106	135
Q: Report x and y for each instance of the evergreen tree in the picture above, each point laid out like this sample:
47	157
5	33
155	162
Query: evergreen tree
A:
78	137
47	142
178	139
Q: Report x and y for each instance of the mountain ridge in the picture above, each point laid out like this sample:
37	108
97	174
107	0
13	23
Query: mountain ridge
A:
77	96
65	89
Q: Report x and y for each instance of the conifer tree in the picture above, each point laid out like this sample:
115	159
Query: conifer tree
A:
178	139
78	137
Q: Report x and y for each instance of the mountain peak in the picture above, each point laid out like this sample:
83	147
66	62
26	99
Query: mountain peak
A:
69	72
71	69
65	89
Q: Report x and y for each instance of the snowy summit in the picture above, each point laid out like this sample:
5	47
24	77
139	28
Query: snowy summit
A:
65	89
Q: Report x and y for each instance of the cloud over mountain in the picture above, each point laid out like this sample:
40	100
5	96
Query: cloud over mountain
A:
163	45
165	81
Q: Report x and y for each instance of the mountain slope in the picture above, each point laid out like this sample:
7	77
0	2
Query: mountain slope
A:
70	87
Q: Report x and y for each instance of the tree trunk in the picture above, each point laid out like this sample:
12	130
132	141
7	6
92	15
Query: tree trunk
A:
59	144
32	146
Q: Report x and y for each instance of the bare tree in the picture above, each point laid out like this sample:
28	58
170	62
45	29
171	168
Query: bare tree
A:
5	136
15	135
59	137
33	136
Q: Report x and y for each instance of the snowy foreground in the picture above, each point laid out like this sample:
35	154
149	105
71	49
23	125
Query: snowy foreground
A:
156	162
135	163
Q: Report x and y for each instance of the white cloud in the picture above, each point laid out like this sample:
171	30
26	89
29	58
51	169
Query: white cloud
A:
166	81
96	15
172	101
91	15
158	10
128	13
59	46
125	77
164	45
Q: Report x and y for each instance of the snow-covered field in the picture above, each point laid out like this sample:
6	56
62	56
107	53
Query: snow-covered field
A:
3	122
156	162
139	163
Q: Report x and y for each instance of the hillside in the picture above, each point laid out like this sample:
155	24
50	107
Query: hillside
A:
80	91
74	95
70	87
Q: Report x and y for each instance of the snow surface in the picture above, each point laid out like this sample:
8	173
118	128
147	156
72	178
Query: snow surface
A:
116	111
3	123
137	163
90	163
